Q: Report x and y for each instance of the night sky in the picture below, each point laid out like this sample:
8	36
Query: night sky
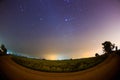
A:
59	29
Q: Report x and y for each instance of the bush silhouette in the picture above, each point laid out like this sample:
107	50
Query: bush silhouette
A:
97	55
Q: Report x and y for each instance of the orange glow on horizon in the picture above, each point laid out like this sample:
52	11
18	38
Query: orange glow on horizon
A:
51	56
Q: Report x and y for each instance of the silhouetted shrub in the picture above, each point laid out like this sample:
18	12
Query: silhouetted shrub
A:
97	55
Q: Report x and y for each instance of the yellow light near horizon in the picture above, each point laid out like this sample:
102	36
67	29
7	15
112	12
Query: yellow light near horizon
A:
87	54
91	53
51	56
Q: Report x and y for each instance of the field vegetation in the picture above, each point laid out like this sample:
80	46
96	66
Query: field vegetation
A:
70	65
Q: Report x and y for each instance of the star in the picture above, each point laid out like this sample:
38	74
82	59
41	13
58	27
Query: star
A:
21	8
32	24
80	10
64	35
68	1
66	20
41	19
40	0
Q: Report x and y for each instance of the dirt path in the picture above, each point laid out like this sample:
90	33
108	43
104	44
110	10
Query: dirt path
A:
106	70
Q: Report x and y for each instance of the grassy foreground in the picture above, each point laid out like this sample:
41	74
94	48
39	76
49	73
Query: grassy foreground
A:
71	65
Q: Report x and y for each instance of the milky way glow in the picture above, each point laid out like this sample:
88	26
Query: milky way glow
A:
59	29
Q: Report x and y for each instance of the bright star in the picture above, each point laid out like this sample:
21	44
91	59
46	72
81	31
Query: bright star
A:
66	19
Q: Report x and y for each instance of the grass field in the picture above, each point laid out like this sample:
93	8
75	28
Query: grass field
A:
70	65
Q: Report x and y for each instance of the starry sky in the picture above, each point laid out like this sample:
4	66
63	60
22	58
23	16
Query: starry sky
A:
59	29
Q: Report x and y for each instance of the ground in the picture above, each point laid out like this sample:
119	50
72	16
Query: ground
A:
107	70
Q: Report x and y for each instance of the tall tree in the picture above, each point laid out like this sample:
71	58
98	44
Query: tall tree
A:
108	46
3	49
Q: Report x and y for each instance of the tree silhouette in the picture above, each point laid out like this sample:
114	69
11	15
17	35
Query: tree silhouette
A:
3	49
116	48
0	52
108	46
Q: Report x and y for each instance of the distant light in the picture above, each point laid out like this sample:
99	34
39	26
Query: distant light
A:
9	52
62	57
